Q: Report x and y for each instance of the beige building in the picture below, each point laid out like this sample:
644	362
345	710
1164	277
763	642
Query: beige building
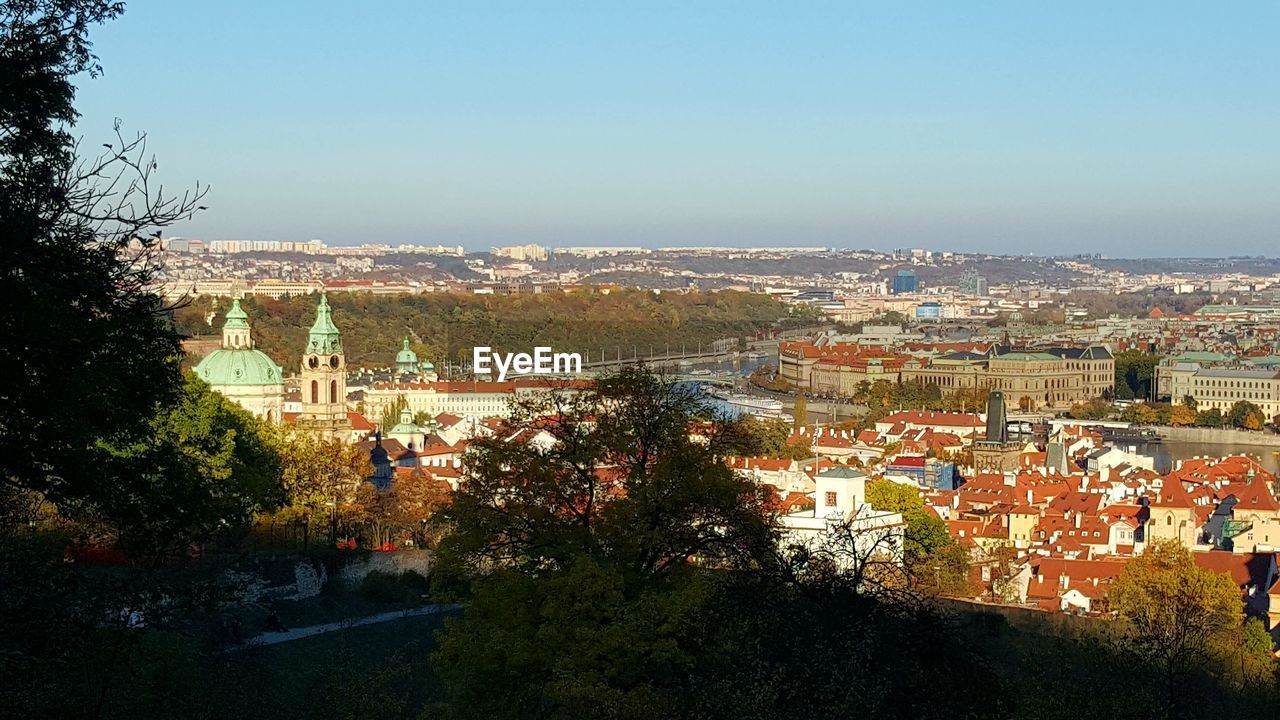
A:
1056	377
1221	388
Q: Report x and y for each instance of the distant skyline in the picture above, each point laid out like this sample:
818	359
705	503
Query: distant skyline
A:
1129	129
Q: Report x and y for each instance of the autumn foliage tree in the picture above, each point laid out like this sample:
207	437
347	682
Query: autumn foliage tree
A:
1176	612
320	477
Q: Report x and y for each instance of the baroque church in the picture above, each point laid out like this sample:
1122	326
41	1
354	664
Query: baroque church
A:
243	373
247	376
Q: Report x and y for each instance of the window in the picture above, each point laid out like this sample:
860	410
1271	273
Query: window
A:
333	391
315	392
831	498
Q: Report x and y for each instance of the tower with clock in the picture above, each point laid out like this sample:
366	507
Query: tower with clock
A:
324	378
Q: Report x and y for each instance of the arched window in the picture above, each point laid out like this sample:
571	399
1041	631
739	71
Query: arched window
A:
1168	520
315	392
333	391
269	418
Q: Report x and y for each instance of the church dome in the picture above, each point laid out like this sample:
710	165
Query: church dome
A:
242	366
406	355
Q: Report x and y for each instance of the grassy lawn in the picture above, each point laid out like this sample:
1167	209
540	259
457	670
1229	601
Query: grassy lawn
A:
370	671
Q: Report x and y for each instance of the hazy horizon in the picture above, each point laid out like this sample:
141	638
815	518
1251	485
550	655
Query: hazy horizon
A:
1004	128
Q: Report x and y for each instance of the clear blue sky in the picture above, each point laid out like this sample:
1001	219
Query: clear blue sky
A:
1129	128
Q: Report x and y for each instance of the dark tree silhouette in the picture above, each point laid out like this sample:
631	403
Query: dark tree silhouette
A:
89	349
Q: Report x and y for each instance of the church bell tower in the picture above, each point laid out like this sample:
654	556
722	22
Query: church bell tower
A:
324	378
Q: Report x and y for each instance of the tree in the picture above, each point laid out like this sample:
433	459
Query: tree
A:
1190	403
1209	418
932	555
391	414
206	464
1095	409
801	411
1001	558
320	477
1175	610
1256	640
1135	372
930	551
91	352
770	437
1244	414
626	485
403	511
1181	416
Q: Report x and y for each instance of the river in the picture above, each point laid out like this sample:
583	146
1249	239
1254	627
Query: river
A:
1167	453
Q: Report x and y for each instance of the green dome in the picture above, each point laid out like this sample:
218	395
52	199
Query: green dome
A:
406	355
243	366
405	426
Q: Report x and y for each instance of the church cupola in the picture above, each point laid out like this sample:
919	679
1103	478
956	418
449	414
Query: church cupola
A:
235	328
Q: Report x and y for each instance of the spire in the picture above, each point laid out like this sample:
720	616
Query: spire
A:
236	318
405	345
324	336
235	328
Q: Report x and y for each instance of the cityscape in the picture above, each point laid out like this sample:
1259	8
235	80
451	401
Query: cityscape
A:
725	445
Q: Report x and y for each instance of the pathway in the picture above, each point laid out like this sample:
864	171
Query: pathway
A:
275	638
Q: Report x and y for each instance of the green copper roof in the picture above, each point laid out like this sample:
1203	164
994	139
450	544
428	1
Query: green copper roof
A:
406	426
324	336
236	318
241	366
406	355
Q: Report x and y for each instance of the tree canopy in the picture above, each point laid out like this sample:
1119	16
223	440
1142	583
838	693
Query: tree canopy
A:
1176	610
612	473
90	353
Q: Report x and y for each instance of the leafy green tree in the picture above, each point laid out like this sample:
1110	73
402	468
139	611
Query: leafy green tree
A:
1135	372
770	437
621	481
90	352
1244	414
1175	610
933	558
206	464
391	415
320	478
1257	640
1209	418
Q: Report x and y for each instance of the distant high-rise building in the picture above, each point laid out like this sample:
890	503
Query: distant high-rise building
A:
905	282
971	283
530	253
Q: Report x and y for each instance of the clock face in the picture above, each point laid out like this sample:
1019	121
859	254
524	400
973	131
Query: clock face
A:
333	362
313	362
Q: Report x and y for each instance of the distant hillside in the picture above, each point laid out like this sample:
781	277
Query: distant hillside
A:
445	326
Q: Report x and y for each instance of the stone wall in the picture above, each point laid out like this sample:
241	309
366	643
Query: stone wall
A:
395	563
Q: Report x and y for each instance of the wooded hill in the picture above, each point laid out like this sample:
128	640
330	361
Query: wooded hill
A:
445	326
